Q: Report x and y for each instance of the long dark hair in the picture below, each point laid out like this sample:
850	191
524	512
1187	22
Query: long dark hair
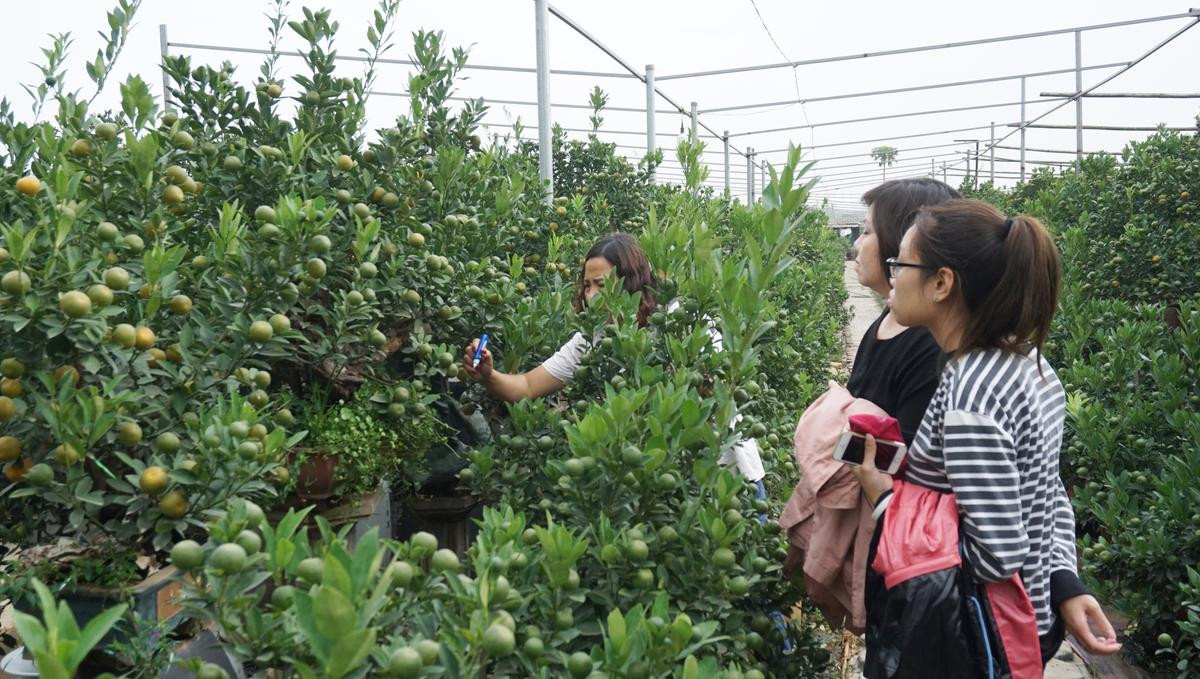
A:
626	256
895	203
1006	271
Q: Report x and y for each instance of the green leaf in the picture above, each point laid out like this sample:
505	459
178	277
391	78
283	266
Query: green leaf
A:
335	575
47	605
93	632
337	616
31	631
350	652
307	620
616	627
50	667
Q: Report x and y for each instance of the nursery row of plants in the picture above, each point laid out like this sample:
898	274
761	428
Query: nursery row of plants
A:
224	319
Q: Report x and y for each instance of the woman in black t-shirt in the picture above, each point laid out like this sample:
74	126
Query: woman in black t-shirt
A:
898	369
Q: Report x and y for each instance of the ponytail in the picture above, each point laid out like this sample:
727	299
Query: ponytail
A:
1007	272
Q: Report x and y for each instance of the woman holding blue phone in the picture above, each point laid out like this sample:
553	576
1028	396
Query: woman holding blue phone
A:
620	255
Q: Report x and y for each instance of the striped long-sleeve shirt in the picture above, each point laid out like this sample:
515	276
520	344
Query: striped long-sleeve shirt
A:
992	436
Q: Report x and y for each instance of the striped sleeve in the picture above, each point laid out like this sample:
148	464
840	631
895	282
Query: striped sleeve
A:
980	461
1062	555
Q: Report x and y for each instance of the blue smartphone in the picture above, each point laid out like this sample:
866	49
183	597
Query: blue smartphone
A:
483	340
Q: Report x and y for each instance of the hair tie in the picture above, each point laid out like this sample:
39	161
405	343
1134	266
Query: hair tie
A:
1007	227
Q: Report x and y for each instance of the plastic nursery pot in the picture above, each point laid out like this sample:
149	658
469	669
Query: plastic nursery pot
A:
316	476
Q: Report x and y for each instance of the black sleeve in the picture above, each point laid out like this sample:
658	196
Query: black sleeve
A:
1064	584
915	383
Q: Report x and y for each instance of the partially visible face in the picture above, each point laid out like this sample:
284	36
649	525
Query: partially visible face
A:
866	254
912	298
596	272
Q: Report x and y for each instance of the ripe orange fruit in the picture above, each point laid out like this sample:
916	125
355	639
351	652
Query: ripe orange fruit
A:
156	357
153	480
180	305
29	185
144	338
67	370
174	504
17	470
10	448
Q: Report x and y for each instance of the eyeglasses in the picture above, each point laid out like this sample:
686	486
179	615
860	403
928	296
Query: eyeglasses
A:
894	266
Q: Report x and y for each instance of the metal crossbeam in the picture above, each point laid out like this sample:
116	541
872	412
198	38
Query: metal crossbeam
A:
915	88
402	62
889	117
1192	13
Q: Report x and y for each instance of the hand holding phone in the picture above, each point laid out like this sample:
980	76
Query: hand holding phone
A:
477	359
889	445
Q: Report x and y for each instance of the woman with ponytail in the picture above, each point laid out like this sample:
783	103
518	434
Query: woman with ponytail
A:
980	509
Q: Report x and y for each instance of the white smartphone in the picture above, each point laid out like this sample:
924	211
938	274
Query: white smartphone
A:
888	454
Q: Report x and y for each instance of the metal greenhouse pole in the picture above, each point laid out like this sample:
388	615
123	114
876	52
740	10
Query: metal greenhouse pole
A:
651	143
545	135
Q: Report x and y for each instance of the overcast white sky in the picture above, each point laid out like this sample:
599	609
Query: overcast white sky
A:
680	36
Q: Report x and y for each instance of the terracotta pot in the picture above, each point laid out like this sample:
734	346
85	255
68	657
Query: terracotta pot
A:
315	480
1171	316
